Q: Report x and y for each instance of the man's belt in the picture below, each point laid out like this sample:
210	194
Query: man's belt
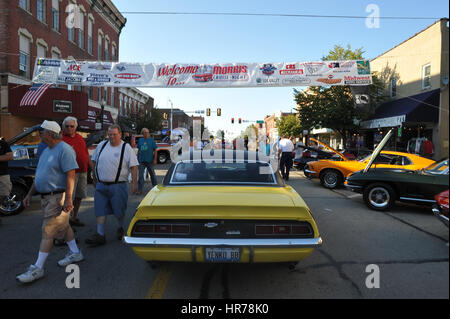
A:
111	183
52	193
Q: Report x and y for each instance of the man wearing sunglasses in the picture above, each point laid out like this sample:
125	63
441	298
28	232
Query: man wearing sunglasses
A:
71	137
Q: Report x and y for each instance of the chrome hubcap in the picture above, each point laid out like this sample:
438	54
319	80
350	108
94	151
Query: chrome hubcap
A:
379	197
331	179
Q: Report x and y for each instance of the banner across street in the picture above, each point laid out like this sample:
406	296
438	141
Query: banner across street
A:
119	74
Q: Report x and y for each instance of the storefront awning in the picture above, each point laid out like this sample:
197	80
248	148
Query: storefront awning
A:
420	108
55	103
93	121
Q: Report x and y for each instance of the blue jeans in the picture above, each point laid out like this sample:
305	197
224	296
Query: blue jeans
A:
149	167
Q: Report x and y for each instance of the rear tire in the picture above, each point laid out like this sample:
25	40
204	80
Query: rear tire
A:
379	196
162	157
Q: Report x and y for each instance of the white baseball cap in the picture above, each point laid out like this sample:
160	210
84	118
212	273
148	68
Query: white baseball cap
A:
51	126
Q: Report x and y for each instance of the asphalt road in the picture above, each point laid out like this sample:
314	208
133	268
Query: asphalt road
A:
407	245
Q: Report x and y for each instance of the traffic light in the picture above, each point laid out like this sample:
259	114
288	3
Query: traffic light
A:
165	116
240	120
232	120
208	112
219	111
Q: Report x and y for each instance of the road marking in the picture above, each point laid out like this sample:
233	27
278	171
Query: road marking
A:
159	284
353	196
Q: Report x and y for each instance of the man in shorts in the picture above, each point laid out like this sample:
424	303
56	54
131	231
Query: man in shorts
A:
54	181
5	182
71	137
113	160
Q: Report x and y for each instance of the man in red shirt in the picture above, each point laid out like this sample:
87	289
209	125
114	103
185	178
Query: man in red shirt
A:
71	137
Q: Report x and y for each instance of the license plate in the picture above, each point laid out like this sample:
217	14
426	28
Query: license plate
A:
222	254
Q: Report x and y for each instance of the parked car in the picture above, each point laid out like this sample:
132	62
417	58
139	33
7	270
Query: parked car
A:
223	211
440	209
381	187
332	173
21	170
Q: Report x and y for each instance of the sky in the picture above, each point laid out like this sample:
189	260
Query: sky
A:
210	39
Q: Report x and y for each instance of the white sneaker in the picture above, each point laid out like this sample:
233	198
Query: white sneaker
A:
70	259
33	273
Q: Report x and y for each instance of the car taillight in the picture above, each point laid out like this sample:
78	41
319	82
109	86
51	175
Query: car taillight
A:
442	199
283	229
263	230
162	229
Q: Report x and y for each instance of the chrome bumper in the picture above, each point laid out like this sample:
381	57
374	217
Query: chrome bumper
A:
219	242
441	217
354	188
309	171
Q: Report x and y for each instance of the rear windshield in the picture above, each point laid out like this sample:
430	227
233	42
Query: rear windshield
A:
223	173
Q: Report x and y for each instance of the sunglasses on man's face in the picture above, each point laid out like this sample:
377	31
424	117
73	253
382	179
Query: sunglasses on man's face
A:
71	126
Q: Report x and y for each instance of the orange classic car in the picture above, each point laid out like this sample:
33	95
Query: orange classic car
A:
332	173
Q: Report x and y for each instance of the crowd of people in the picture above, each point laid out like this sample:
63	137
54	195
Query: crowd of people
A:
61	182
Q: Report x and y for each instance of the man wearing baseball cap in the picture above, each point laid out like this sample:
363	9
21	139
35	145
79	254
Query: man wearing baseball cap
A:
54	181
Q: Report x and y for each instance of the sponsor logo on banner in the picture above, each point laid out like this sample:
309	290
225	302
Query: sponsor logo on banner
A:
357	79
267	81
296	80
74	68
291	69
52	63
363	67
98	78
100	66
268	69
314	68
128	76
329	80
121	68
203	74
69	79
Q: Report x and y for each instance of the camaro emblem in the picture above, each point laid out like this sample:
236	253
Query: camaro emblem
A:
211	225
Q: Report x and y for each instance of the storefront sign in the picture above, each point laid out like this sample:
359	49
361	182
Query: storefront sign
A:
384	122
118	74
62	106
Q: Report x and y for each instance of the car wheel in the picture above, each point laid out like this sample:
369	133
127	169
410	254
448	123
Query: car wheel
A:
13	204
379	196
331	179
162	158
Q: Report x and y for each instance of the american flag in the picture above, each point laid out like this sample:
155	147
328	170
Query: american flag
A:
33	94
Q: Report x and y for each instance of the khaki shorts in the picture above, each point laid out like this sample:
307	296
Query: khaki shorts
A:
5	185
80	186
56	220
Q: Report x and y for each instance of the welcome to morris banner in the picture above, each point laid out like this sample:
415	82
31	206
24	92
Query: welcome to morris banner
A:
119	74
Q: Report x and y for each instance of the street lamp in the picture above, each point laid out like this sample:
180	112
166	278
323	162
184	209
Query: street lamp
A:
171	116
102	106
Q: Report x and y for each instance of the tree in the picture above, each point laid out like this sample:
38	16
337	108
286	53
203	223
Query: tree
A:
333	107
289	125
151	120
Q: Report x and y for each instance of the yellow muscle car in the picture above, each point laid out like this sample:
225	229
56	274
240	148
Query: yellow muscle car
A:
236	210
332	173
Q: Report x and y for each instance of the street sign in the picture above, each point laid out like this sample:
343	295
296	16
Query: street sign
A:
259	122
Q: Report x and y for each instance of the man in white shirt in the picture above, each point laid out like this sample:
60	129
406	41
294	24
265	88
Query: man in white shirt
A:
286	147
113	160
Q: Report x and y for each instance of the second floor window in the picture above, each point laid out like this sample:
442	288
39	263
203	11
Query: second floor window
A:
24	56
393	87
81	32
426	76
100	48
55	15
41	10
24	4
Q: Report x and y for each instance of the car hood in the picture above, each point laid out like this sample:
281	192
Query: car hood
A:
330	148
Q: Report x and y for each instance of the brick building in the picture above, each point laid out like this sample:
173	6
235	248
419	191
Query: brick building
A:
41	28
